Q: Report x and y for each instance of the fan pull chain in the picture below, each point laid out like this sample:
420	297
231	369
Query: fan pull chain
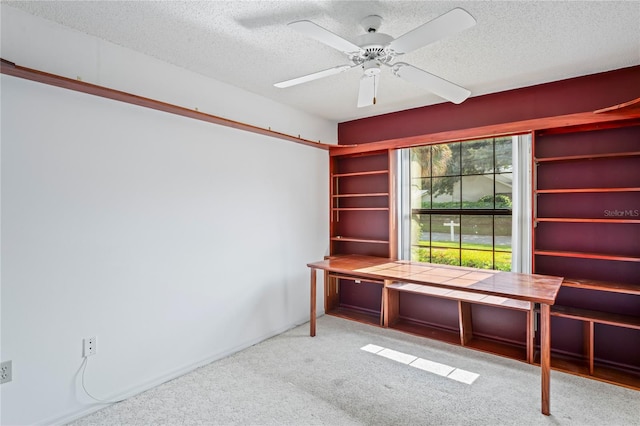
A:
374	89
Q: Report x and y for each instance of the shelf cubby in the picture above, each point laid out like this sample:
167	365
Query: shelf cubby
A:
360	198
357	300
587	229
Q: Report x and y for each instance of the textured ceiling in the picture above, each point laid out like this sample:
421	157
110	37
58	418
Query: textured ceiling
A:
248	44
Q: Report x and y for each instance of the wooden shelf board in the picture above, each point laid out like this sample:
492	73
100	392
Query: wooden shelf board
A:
617	377
461	295
453	337
10	68
584	220
630	106
359	240
586	255
588	157
568	364
367	173
585	190
429	331
587	127
347	277
362	316
618	320
496	347
367	194
580	367
358	209
602	286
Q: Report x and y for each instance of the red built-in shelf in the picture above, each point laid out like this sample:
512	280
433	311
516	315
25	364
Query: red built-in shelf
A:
602	286
372	194
373	172
588	157
584	220
359	240
357	209
576	190
586	255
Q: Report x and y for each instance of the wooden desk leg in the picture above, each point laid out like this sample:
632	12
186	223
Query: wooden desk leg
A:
385	304
545	355
531	332
464	320
590	339
312	315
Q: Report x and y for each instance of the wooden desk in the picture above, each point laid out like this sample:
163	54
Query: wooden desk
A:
541	289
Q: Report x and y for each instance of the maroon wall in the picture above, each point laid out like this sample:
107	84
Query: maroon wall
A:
581	94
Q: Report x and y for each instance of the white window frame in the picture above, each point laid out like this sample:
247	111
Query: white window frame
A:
521	219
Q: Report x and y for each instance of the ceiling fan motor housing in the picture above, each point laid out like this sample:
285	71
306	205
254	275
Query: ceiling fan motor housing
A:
373	46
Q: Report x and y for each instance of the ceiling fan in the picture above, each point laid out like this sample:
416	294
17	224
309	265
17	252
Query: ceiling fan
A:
373	50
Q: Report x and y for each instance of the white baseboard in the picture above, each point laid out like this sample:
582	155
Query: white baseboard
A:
142	387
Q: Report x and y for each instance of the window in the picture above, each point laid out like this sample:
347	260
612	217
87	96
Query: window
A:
457	203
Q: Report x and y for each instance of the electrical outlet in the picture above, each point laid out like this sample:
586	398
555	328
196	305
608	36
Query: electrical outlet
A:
5	372
89	346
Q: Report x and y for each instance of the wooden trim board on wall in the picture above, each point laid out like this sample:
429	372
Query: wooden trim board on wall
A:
9	68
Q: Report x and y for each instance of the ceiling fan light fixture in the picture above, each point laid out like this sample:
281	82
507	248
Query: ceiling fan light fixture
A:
371	68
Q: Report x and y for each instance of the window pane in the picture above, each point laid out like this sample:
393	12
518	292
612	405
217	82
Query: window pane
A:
504	157
462	177
446	256
445	159
477	192
445	230
477	232
477	259
503	233
421	193
420	230
504	190
420	254
503	260
477	157
421	161
446	193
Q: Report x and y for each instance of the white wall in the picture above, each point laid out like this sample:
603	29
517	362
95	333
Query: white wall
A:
174	241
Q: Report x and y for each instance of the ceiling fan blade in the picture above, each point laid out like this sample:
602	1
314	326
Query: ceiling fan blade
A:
368	90
450	23
441	87
314	76
322	35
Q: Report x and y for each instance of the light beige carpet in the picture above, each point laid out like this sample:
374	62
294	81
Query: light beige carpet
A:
293	379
